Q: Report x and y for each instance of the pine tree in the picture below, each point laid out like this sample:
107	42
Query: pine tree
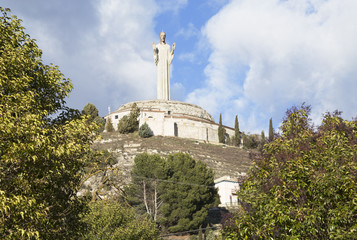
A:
236	132
185	205
221	130
175	191
271	130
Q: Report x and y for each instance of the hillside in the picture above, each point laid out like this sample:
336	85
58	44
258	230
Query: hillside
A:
224	160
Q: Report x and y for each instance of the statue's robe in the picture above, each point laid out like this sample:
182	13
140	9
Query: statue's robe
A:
163	59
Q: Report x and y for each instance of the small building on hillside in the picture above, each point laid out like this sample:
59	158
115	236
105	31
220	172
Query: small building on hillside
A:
227	189
173	118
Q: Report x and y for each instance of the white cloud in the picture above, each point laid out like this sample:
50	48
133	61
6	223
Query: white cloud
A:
50	45
271	54
121	53
172	5
104	46
190	57
188	32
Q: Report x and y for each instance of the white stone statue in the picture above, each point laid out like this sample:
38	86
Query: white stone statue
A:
163	57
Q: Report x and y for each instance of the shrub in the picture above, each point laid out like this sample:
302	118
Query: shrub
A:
112	220
250	141
145	131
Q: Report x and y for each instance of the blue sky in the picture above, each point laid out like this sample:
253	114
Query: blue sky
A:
253	58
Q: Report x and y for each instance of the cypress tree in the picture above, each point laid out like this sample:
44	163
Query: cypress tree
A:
220	130
236	132
271	131
109	126
262	139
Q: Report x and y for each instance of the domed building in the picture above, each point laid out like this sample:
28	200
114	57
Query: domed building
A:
173	118
166	117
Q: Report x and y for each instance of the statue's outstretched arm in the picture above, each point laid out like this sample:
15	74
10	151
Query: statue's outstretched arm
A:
173	48
171	56
156	56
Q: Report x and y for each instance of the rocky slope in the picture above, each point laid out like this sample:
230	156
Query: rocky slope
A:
224	160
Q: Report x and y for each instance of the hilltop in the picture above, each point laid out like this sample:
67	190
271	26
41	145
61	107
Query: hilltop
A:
224	160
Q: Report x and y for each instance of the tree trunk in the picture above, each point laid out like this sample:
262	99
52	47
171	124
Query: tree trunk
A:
145	199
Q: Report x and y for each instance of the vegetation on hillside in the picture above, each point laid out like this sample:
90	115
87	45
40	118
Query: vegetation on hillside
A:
130	123
110	219
237	137
109	125
176	191
91	112
145	131
221	130
304	185
271	130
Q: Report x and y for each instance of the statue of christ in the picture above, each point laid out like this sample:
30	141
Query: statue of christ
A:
163	57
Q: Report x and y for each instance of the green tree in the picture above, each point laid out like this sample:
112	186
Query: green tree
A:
92	112
145	131
109	125
304	186
188	194
271	130
42	142
221	130
129	124
143	192
236	132
175	191
112	220
262	140
250	141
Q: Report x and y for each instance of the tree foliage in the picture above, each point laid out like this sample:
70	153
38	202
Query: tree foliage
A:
237	137
113	220
188	194
129	124
250	141
40	155
109	125
221	130
92	112
175	191
271	130
262	140
143	192
145	131
304	186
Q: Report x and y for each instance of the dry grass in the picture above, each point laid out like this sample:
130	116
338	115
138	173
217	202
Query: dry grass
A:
225	160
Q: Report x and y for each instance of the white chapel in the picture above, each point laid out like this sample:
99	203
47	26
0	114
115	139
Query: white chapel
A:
166	117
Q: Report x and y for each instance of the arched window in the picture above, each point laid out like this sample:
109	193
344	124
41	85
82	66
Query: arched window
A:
175	130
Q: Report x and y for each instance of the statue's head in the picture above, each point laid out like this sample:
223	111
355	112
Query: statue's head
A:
162	37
